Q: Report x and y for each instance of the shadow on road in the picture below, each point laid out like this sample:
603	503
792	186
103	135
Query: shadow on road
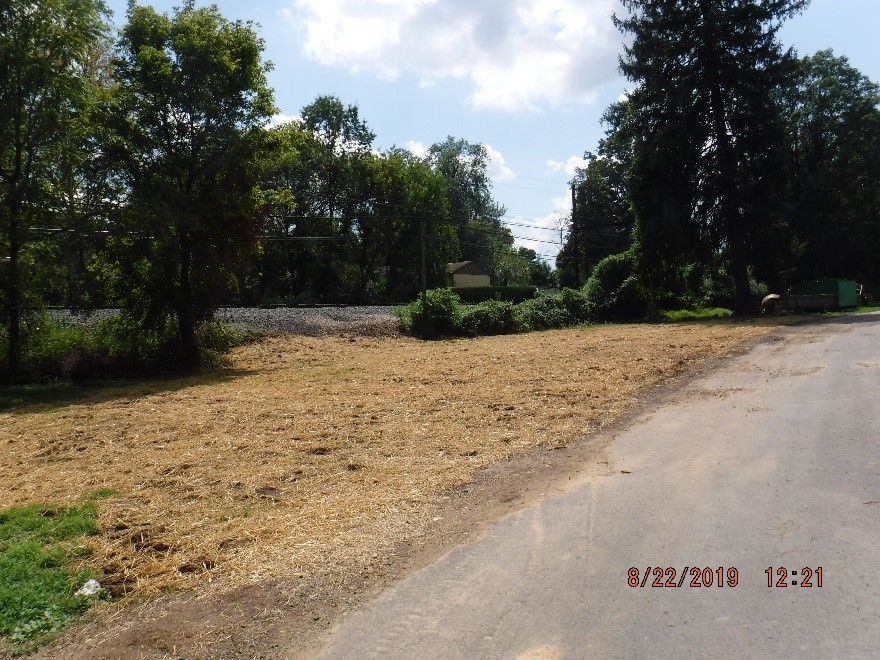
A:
845	319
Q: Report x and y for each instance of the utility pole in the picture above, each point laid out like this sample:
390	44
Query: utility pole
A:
574	234
424	263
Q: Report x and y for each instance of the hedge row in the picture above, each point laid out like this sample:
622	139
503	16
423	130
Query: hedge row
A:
612	293
477	294
441	314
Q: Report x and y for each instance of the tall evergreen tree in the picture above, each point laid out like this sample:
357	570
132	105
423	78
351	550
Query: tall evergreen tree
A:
708	132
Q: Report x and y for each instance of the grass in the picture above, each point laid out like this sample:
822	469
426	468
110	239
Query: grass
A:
696	314
37	579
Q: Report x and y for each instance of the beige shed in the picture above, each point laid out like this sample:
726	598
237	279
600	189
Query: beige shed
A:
466	274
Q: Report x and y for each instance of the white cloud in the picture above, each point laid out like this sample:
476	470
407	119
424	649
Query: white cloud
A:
569	166
281	118
518	54
498	170
417	148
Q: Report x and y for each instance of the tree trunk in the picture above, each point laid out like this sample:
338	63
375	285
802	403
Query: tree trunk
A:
13	357
186	325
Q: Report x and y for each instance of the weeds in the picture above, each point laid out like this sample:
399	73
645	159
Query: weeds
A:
37	581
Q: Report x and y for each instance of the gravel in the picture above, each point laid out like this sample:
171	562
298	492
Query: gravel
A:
373	321
314	321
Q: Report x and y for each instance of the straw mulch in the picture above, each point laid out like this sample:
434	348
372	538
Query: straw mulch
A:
309	452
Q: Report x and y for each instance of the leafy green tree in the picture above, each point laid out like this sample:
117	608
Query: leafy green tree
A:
602	198
833	123
406	198
189	111
481	235
540	273
511	268
83	193
707	166
324	167
44	47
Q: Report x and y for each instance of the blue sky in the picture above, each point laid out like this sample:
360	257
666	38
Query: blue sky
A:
527	78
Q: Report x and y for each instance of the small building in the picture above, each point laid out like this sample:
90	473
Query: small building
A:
466	274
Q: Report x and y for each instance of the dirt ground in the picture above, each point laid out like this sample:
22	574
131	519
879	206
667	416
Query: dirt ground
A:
253	505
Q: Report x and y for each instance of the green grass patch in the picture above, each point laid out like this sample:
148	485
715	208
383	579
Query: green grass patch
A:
867	309
38	548
696	314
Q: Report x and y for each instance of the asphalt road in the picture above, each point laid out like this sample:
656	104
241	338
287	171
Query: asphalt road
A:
773	461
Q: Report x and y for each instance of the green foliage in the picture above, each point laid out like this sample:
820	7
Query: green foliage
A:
568	307
718	290
37	583
187	118
696	314
833	124
433	315
441	314
604	220
708	137
118	347
479	232
478	294
614	290
488	318
45	51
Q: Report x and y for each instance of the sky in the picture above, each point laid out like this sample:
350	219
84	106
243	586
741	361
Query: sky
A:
529	79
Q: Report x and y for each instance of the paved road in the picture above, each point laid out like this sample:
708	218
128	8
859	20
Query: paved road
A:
773	461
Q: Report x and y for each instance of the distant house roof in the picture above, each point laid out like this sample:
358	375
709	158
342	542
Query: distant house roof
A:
464	268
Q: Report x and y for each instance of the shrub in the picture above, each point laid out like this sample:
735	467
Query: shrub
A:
436	314
577	306
568	307
478	294
719	290
614	291
489	318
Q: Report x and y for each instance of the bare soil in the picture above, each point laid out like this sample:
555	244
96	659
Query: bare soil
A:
257	503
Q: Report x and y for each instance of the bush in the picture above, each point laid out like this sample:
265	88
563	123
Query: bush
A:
614	291
48	348
489	318
436	314
568	307
478	294
117	347
719	290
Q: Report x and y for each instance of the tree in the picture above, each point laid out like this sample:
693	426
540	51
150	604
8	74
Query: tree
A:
189	112
708	131
602	200
481	235
407	205
44	48
833	124
540	273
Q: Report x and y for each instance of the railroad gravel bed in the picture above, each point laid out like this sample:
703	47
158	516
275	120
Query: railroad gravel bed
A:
315	321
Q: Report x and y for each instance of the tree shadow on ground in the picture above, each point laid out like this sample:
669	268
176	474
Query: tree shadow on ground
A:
846	319
28	399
